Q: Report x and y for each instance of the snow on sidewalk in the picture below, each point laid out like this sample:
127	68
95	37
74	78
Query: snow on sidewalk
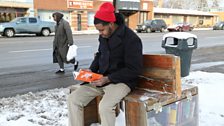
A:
49	108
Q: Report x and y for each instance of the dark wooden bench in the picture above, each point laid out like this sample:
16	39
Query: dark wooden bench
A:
159	85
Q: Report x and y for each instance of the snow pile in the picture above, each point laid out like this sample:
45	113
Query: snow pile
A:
49	108
33	109
210	85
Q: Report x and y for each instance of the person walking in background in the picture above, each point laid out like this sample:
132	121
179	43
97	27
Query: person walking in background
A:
62	40
119	60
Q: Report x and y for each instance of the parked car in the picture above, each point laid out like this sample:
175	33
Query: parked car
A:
219	26
26	25
180	27
152	26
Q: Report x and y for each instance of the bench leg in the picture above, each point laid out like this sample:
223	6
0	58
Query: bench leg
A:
135	114
91	113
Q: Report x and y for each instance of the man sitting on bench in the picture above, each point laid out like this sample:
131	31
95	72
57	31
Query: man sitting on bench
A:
119	60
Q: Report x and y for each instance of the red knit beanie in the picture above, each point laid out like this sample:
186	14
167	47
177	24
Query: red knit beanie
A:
106	12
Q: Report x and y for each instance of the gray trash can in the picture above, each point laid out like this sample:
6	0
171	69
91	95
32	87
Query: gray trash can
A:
180	44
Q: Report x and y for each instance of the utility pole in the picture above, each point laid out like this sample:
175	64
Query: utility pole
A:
115	5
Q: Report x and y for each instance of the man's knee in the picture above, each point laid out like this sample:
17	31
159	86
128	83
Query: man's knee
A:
105	108
74	99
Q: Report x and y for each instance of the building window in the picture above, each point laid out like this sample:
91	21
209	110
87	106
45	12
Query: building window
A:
207	18
193	20
161	16
157	16
143	17
201	17
177	19
91	18
165	16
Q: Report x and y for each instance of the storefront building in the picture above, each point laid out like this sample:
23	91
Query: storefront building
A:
196	18
10	9
80	14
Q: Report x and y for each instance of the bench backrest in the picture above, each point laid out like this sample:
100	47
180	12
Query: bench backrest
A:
161	72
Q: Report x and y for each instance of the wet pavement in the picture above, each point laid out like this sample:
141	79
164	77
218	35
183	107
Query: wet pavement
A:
208	59
21	80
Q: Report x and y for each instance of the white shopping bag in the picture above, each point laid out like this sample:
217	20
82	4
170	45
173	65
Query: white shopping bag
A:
72	52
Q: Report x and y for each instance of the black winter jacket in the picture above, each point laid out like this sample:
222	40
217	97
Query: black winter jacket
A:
119	57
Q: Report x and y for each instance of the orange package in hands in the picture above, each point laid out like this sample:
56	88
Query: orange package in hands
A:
86	76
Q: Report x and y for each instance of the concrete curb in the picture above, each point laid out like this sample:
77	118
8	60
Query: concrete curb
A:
86	32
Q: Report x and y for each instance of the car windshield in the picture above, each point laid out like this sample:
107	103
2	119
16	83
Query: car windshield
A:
219	23
148	22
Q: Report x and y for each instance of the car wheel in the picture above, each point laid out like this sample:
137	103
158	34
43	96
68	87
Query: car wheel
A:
9	32
148	30
180	30
162	29
45	32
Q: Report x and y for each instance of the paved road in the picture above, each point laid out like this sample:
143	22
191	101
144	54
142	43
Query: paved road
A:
209	59
19	80
39	77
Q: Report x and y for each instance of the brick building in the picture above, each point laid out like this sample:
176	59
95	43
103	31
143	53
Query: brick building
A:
11	9
80	13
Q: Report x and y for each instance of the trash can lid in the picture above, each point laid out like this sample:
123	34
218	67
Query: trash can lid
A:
179	35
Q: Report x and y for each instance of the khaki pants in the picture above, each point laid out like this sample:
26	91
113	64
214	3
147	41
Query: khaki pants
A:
112	94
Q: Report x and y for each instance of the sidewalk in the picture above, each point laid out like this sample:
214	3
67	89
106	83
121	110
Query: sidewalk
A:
202	29
86	32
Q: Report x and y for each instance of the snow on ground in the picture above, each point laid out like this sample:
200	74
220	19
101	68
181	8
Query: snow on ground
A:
48	108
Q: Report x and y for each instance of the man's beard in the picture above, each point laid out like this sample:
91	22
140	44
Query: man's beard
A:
109	33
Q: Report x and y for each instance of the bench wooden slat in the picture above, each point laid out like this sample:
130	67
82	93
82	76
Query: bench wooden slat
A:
157	85
141	95
164	61
159	73
162	73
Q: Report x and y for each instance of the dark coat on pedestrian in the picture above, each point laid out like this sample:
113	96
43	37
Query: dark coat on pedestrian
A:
63	38
119	57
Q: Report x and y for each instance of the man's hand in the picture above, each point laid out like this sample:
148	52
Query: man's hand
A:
101	81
